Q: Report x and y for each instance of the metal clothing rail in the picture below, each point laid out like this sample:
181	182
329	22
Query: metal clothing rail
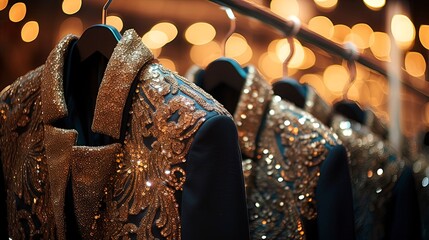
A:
304	34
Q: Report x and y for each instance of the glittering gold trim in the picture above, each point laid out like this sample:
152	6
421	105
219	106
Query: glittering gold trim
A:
317	107
254	99
53	101
128	57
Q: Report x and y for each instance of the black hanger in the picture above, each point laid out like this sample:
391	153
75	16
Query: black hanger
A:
224	80
351	110
346	107
99	38
224	71
291	90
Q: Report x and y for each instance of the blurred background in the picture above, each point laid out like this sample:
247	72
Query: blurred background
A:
184	33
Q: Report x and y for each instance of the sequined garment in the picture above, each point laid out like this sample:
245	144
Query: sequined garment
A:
374	171
120	190
286	147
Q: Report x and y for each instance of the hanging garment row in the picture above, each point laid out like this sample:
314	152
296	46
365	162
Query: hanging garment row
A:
104	142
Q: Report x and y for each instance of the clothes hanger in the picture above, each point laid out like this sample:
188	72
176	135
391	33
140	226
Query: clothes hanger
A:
84	68
225	70
224	78
347	107
288	88
100	38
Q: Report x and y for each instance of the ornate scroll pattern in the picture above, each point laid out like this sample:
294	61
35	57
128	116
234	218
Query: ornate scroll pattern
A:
282	179
164	118
23	159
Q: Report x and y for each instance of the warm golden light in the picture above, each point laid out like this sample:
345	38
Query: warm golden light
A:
200	33
403	31
335	78
362	73
380	45
236	45
426	114
155	39
115	21
321	25
270	66
3	4
326	4
364	31
245	57
285	8
309	59
315	81
168	28
71	6
283	51
17	12
72	25
415	64
339	33
424	35
375	4
30	31
356	40
202	55
168	64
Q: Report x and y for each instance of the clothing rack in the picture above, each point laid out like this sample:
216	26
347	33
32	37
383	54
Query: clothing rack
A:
304	34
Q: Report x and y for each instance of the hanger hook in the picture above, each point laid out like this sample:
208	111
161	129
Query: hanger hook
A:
351	65
104	11
296	26
232	26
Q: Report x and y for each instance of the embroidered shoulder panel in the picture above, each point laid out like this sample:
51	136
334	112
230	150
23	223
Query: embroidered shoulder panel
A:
167	110
374	170
23	159
291	147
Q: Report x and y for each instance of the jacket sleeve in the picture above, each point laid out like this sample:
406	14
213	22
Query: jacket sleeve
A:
403	222
213	199
334	197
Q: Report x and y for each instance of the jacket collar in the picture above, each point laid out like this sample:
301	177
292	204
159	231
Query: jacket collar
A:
251	110
127	59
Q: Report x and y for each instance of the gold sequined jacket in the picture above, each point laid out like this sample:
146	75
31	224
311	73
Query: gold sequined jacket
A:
174	175
375	169
296	174
383	208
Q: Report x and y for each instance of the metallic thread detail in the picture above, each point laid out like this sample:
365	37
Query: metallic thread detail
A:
127	59
53	101
150	172
282	175
24	161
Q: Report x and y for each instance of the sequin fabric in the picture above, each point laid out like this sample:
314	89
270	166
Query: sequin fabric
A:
121	190
374	169
286	147
317	107
24	161
149	174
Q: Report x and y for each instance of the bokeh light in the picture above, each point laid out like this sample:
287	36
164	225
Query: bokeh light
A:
415	64
375	4
3	4
17	12
115	21
403	31
30	31
200	33
71	6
